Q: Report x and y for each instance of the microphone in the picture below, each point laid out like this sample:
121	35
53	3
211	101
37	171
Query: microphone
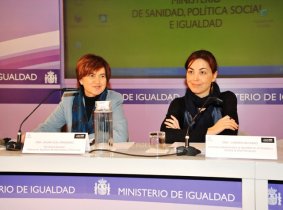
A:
17	145
187	149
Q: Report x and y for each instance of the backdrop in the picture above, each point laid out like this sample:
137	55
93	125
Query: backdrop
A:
32	59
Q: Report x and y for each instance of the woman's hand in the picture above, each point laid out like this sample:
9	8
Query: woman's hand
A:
172	122
222	124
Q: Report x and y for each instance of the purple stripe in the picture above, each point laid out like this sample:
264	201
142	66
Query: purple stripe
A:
275	194
37	61
259	95
28	96
181	191
150	96
30	59
30	76
165	96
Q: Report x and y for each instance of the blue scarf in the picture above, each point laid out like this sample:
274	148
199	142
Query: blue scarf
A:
206	119
80	122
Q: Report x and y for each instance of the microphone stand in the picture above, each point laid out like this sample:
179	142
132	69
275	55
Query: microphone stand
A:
187	149
17	146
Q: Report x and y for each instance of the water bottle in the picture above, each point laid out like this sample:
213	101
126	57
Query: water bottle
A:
103	125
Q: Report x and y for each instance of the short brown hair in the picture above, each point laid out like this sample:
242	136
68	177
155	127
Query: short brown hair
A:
89	63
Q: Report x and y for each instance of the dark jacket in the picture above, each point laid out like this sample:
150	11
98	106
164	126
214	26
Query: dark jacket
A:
198	131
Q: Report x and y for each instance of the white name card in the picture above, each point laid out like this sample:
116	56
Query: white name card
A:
249	147
55	143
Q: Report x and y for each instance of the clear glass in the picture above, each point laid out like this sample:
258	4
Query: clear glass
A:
103	128
157	139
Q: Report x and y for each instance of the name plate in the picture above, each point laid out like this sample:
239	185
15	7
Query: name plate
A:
55	143
249	147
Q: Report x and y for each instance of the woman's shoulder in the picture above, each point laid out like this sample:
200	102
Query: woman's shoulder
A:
114	95
228	96
68	97
178	102
179	99
227	93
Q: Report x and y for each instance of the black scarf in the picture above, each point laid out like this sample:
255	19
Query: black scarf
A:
80	121
208	117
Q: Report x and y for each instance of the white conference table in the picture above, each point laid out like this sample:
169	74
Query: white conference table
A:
253	173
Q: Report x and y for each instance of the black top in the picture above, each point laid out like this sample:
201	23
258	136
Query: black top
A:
90	105
197	133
